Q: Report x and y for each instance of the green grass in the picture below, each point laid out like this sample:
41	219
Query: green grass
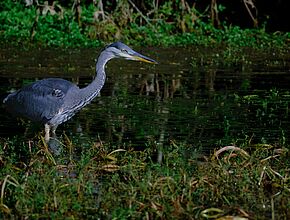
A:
94	180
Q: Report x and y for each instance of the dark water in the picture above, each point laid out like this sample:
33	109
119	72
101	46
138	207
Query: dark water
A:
190	97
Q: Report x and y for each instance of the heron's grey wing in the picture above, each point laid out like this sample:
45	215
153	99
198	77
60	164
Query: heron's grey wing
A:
39	101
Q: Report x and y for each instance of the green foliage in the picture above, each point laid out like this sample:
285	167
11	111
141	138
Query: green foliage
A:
16	23
169	25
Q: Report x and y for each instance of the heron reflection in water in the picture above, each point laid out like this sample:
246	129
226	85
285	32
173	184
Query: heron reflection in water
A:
53	101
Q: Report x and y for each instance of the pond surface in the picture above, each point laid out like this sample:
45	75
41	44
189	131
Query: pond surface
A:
193	96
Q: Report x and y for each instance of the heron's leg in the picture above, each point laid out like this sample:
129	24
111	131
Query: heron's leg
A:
47	130
53	129
52	142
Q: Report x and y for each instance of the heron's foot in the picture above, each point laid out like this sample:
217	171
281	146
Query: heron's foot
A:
54	146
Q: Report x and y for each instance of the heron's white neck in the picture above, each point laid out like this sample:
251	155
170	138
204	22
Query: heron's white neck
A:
89	92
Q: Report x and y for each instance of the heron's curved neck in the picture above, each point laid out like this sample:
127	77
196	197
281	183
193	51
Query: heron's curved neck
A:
93	89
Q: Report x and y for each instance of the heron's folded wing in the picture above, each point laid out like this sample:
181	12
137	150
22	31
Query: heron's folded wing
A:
39	101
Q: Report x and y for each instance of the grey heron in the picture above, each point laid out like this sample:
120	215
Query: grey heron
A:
53	101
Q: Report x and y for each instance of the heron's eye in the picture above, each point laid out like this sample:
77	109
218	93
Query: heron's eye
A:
124	50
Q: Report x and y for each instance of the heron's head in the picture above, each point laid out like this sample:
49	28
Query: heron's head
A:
120	50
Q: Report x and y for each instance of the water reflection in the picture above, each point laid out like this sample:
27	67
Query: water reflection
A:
185	98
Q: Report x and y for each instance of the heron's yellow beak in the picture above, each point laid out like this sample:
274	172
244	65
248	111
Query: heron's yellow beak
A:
146	60
142	58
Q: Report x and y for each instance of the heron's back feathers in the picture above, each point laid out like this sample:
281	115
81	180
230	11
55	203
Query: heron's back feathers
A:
39	101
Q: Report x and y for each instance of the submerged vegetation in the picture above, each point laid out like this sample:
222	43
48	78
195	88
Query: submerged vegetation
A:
78	24
91	179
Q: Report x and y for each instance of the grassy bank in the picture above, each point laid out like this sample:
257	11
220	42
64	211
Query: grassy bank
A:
91	26
94	180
